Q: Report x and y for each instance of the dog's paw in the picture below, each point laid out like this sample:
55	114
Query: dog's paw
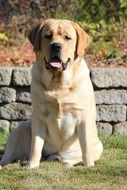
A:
67	165
54	157
0	167
89	164
32	165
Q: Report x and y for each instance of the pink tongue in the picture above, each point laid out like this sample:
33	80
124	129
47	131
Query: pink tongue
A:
55	64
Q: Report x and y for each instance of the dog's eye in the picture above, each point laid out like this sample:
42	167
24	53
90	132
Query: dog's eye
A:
48	36
67	37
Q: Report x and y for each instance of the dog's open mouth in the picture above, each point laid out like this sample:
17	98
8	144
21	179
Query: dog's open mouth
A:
56	64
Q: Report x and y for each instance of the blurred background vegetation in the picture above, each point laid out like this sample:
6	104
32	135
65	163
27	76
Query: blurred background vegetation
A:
105	21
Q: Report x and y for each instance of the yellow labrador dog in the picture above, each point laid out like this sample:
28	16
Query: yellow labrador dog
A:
63	122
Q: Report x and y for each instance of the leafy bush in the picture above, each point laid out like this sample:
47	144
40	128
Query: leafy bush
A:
97	10
105	21
20	16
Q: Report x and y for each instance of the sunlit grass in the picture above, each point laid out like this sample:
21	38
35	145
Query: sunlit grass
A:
110	172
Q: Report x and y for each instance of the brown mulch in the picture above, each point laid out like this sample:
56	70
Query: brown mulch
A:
23	55
112	62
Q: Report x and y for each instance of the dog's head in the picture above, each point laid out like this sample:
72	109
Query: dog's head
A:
58	43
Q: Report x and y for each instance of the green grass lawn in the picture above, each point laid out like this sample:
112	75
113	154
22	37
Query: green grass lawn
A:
110	172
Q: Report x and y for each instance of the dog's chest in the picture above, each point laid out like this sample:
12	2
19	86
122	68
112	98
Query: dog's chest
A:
61	119
63	126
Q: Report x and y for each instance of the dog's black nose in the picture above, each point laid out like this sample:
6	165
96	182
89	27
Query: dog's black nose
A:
56	47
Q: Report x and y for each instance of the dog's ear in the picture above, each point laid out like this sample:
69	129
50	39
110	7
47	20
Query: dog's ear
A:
82	40
35	36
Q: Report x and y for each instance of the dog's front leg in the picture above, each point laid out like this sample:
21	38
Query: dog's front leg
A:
84	134
37	142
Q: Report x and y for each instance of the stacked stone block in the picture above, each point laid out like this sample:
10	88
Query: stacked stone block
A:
110	85
15	97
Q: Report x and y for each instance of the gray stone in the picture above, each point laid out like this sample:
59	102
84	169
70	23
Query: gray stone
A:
5	75
120	128
7	95
15	111
14	125
23	96
22	76
109	77
4	126
111	113
111	97
104	128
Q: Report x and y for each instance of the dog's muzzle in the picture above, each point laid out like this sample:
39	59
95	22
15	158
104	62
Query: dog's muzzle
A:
56	64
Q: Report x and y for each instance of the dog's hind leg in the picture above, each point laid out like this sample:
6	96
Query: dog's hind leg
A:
18	144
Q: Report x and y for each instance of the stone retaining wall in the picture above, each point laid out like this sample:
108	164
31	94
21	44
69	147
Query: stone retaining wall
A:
110	86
